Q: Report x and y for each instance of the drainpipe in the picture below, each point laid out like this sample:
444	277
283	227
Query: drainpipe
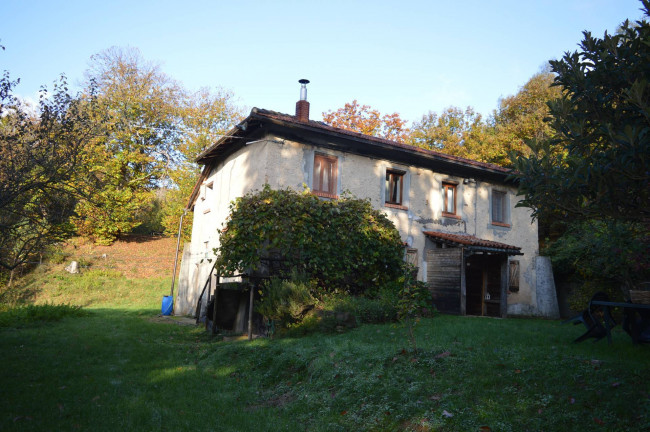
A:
178	243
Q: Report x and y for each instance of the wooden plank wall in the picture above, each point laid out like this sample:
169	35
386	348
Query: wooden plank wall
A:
444	278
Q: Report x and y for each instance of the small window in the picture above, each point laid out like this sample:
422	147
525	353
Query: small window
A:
411	257
513	277
449	199
207	195
394	187
325	176
499	208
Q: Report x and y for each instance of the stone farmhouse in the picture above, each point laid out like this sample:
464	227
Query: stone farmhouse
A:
477	251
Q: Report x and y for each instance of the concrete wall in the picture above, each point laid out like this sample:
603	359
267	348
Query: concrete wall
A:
282	164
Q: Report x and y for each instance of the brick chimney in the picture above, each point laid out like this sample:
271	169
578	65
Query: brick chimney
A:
302	106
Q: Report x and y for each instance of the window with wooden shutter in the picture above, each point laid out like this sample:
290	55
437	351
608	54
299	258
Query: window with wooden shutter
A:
513	277
411	256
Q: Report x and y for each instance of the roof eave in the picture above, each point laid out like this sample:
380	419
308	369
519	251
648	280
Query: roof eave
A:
387	146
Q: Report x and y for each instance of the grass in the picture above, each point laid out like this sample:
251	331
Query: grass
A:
125	369
35	314
122	367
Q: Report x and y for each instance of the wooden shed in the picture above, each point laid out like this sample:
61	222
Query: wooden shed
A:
468	275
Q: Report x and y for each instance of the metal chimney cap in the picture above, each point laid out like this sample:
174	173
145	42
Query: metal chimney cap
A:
303	81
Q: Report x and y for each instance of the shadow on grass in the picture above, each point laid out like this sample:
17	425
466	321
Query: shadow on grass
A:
124	368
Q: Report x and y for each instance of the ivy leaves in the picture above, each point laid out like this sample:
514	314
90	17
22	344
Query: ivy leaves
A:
344	244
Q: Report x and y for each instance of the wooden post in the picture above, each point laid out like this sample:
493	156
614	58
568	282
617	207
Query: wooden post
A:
209	282
463	283
250	313
484	289
503	306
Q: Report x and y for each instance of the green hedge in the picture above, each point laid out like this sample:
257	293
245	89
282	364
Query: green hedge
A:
343	244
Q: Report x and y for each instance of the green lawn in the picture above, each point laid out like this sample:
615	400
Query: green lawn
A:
124	369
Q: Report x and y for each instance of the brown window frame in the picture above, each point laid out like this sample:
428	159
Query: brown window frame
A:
317	181
394	177
500	205
454	187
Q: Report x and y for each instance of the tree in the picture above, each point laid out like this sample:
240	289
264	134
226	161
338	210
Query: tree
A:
205	116
41	152
137	148
454	131
520	118
601	125
465	133
594	169
153	131
366	120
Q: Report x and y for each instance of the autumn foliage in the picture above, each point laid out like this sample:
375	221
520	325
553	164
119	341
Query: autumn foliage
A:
368	121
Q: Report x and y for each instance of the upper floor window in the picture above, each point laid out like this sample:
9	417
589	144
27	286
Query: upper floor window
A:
325	176
449	199
207	195
499	208
394	187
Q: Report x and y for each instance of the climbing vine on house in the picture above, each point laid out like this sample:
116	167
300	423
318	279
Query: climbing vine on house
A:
344	244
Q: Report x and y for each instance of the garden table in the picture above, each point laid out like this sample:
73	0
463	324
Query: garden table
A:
599	320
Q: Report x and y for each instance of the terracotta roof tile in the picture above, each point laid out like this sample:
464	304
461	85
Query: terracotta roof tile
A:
325	127
470	240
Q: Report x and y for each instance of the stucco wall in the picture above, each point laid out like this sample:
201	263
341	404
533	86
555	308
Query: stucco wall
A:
282	163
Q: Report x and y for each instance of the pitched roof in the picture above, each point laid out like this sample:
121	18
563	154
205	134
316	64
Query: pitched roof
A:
325	127
472	242
260	114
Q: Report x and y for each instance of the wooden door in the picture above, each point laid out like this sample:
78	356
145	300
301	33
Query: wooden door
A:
444	278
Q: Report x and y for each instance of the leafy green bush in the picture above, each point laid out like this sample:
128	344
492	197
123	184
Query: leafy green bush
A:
55	254
370	308
31	314
336	312
609	256
286	301
344	244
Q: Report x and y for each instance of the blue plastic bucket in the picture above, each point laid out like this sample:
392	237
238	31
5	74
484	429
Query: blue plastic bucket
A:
167	305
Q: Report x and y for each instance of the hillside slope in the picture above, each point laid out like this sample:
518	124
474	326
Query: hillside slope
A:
133	272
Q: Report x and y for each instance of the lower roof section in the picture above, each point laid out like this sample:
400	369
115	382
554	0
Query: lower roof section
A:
472	243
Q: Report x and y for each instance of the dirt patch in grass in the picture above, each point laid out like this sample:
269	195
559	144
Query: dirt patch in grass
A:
178	320
277	401
133	256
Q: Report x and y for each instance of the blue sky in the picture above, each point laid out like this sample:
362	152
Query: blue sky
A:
404	56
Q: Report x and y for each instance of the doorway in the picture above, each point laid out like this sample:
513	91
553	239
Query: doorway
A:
484	285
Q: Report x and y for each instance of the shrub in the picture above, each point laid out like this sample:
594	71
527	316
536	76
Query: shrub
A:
337	312
56	254
414	301
609	256
343	244
285	301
